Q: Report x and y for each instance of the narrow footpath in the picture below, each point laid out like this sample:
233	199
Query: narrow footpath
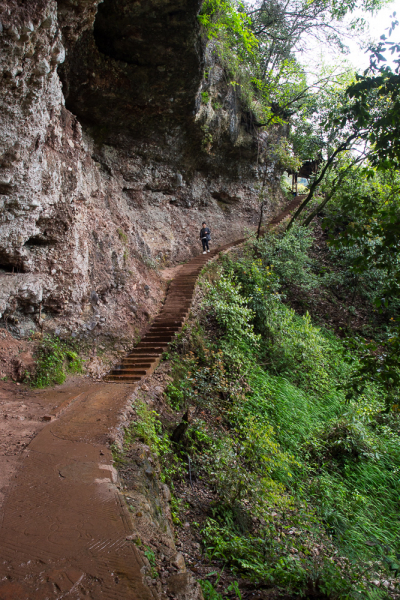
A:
65	532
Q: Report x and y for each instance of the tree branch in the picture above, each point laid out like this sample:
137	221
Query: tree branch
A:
343	146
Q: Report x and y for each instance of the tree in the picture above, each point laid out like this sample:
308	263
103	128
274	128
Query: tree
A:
322	135
376	106
363	224
257	45
369	115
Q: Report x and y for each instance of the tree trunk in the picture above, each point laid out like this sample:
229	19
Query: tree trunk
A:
317	210
317	181
261	218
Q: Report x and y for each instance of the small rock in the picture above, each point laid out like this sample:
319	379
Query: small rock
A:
166	493
179	562
183	586
94	299
135	539
13	33
42	68
47	23
28	28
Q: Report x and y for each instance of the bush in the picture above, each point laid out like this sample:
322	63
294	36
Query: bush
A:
224	299
287	254
148	428
54	360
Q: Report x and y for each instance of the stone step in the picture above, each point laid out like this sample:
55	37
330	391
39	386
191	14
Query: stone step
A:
123	370
125	378
152	349
137	364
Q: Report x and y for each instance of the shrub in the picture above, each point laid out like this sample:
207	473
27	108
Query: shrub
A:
231	312
287	254
148	428
54	360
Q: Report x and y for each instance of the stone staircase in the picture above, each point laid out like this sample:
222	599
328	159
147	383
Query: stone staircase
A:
292	206
146	356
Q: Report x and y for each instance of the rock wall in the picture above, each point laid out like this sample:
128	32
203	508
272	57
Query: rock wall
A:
111	157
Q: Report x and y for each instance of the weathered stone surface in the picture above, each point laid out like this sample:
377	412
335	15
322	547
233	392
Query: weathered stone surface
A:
110	160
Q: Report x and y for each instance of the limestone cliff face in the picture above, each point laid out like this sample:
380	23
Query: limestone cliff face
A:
110	159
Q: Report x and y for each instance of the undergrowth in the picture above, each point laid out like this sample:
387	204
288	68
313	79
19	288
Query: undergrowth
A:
304	465
305	472
55	359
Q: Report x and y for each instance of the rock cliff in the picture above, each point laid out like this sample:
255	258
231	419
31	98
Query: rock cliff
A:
119	135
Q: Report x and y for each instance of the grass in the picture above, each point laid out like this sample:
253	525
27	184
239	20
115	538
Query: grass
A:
122	236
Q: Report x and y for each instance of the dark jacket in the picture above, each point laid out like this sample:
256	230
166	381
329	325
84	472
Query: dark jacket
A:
205	233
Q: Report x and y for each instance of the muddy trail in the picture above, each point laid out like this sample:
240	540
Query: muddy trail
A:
65	530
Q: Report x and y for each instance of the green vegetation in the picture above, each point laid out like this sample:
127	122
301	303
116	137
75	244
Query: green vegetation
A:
295	425
151	557
55	359
209	592
256	45
147	428
304	461
122	236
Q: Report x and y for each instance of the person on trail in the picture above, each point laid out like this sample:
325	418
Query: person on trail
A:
205	236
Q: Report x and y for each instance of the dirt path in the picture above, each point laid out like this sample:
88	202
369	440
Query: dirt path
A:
23	413
64	529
